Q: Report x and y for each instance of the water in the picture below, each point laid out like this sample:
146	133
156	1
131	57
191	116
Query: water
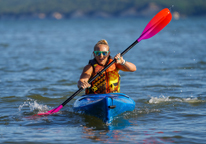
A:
41	61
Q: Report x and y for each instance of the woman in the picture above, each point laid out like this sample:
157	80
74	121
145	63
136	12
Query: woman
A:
109	81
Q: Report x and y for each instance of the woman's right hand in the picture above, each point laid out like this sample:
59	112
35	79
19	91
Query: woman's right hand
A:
83	84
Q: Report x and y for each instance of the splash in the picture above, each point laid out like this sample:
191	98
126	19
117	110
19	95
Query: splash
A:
33	105
147	111
162	98
192	100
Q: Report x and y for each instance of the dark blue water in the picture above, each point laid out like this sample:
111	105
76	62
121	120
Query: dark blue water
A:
41	61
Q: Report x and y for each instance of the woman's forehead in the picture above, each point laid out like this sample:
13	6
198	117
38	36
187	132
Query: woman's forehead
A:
102	47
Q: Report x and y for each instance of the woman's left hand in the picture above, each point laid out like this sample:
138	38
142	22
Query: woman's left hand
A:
119	59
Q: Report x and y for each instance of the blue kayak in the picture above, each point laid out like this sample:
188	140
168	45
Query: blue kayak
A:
104	106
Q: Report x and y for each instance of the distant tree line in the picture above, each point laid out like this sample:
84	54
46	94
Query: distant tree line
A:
69	8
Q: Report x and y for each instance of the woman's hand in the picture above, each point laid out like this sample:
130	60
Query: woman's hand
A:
119	59
124	65
83	84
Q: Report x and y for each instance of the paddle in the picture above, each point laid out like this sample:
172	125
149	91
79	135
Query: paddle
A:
158	22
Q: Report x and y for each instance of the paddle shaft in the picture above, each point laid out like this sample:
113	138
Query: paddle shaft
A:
99	73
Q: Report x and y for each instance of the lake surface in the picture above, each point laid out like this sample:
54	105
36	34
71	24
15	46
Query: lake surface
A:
41	62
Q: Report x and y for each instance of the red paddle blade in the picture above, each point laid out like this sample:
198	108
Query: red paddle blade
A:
51	111
157	23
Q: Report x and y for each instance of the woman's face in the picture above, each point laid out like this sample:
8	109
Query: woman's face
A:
101	59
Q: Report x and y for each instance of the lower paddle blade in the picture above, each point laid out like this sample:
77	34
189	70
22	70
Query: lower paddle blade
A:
51	111
157	23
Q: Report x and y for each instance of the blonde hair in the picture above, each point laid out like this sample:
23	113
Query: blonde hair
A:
103	41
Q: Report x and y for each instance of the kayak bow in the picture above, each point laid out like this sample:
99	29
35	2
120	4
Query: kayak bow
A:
104	106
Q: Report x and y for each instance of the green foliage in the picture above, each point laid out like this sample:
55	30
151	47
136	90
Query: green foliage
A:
24	7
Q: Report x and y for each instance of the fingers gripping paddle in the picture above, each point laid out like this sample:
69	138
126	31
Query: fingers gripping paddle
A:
158	22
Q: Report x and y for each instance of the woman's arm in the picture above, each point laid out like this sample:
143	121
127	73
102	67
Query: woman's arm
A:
124	65
85	76
128	66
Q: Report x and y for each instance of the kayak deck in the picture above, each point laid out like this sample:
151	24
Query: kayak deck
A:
104	106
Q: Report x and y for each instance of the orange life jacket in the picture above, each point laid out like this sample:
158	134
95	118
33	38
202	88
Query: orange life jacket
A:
107	82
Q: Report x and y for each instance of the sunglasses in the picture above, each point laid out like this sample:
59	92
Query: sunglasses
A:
98	53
